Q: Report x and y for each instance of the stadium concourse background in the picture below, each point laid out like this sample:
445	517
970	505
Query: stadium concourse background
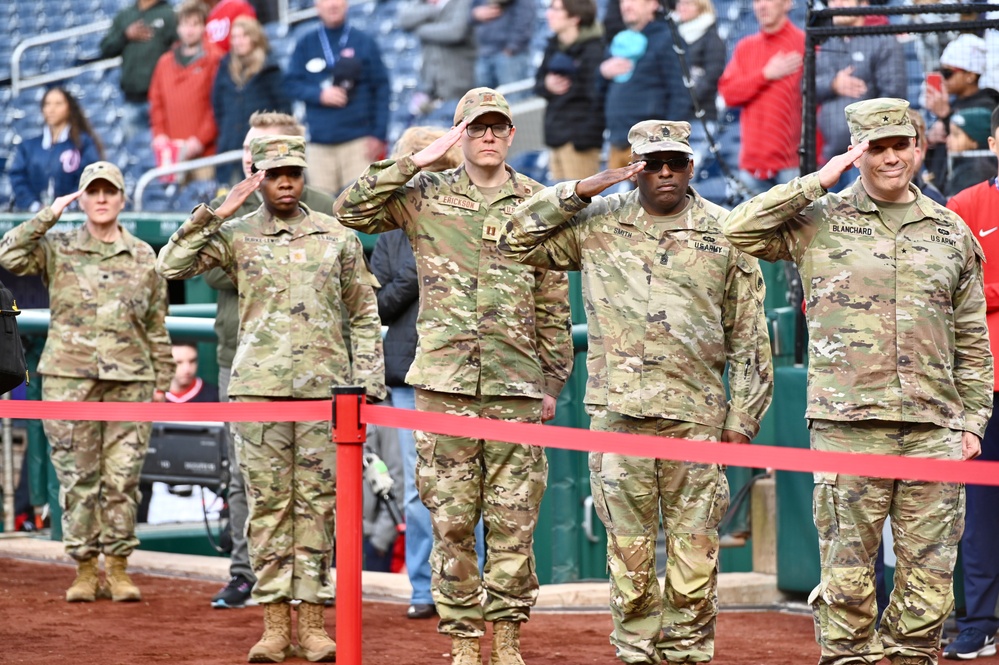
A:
571	543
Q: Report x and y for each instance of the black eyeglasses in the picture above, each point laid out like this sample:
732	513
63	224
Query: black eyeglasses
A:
500	130
676	164
947	72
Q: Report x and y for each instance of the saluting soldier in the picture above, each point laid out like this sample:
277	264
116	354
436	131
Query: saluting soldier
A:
493	342
898	364
669	304
293	268
107	342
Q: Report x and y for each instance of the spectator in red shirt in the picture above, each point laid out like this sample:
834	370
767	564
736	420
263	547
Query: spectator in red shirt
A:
221	15
764	79
180	94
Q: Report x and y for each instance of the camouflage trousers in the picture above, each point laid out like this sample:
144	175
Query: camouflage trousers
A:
632	495
98	466
927	520
289	471
460	479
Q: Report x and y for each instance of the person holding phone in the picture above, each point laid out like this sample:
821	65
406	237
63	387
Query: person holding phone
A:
658	347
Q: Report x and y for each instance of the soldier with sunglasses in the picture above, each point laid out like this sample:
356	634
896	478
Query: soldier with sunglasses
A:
670	302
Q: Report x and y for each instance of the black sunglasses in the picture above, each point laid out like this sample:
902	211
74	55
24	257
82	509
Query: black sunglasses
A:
947	72
676	164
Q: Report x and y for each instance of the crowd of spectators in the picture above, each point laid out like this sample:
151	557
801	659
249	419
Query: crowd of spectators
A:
193	74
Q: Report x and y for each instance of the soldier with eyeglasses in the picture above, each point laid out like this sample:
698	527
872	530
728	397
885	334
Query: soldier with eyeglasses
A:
493	341
670	303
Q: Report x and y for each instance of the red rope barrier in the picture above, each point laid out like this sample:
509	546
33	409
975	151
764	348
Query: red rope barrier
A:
752	456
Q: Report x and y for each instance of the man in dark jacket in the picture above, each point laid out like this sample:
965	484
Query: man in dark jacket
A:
574	118
644	83
337	70
140	34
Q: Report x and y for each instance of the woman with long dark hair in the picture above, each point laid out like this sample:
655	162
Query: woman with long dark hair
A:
49	166
248	80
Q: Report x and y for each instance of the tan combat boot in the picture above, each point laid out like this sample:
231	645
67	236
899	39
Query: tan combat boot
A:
315	643
506	644
275	644
86	585
122	588
465	651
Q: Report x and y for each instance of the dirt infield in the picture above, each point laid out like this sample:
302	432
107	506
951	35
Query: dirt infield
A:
175	624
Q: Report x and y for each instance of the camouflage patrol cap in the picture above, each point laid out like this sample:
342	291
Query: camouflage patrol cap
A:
271	152
102	171
651	136
875	119
480	101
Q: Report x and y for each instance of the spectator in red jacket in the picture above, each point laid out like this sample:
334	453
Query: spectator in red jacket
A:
764	79
220	19
180	94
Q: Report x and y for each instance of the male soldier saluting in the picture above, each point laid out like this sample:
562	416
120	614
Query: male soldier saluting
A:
493	342
669	303
898	364
295	270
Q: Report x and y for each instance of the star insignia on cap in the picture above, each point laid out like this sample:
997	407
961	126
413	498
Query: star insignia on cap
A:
282	149
884	119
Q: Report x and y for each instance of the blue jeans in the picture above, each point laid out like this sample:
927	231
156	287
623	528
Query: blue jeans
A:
494	70
419	530
980	542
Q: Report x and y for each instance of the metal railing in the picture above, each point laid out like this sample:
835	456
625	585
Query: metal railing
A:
286	17
180	167
18	83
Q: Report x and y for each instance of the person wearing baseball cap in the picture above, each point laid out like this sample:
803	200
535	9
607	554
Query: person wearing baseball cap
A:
107	342
492	340
898	364
666	293
300	276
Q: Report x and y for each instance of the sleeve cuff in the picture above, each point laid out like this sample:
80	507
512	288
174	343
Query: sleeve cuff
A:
975	426
553	386
811	187
570	200
741	422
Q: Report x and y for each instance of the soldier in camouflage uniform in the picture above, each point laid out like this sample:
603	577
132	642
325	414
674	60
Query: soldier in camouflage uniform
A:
669	302
493	342
107	342
898	364
293	268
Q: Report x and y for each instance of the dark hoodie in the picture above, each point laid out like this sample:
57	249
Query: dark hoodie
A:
577	117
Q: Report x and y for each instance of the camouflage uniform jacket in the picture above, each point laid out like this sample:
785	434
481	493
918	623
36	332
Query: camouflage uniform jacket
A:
896	320
291	280
666	305
487	324
108	305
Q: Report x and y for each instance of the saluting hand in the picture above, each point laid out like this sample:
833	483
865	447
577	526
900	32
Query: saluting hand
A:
830	173
62	202
589	187
439	148
237	195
